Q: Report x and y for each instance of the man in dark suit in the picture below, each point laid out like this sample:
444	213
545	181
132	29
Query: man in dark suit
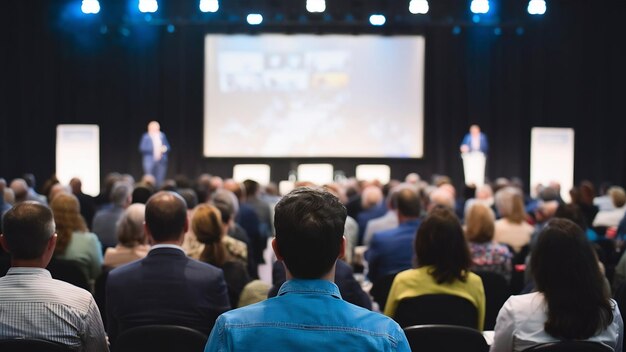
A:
166	287
154	149
474	141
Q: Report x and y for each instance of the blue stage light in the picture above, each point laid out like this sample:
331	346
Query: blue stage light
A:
537	7
90	7
377	20
479	6
254	19
418	7
209	5
148	6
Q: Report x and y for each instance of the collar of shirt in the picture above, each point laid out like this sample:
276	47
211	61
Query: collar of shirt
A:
21	270
165	245
303	286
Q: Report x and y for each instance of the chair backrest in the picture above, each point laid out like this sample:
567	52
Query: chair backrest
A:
32	345
570	346
497	291
68	271
380	289
160	338
445	338
436	309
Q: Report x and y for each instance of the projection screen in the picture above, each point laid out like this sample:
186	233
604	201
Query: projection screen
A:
279	95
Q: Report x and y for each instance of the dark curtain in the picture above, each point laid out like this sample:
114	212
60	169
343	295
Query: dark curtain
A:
566	69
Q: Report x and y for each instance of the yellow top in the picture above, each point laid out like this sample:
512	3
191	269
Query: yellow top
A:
417	282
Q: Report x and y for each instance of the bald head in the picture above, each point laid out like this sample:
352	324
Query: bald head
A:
20	189
154	127
166	216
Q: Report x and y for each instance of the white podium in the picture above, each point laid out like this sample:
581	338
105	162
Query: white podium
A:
474	168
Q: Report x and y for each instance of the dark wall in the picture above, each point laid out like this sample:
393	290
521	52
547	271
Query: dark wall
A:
567	69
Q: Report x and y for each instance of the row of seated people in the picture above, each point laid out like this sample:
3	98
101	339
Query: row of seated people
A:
213	250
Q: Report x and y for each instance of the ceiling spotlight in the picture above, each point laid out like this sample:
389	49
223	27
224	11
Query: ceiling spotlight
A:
418	7
479	6
316	5
209	5
537	7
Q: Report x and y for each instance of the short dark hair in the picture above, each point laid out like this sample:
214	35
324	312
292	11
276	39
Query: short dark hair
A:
440	243
309	231
190	197
166	214
27	227
566	271
408	203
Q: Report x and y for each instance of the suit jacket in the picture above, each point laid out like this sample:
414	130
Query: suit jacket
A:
484	145
147	149
165	287
391	251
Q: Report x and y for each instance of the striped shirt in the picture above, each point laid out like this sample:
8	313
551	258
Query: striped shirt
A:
34	305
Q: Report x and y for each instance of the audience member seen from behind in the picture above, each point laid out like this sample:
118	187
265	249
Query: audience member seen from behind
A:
571	302
75	242
308	313
486	254
165	287
33	305
512	228
443	262
132	240
207	225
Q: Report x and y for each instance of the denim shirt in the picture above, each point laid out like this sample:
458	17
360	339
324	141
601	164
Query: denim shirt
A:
307	315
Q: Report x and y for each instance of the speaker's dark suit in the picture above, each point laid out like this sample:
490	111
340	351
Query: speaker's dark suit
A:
166	287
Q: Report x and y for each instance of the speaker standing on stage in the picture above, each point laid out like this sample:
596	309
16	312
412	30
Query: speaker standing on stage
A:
474	149
474	141
154	147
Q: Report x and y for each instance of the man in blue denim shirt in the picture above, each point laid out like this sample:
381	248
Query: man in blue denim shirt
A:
308	314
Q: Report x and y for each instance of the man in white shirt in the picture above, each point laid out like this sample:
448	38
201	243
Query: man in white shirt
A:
33	305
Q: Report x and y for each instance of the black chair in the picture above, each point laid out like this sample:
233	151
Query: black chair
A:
497	291
517	277
68	271
436	309
160	338
34	345
380	289
445	338
99	293
570	346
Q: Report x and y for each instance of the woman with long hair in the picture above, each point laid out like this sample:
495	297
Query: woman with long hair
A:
443	262
132	241
571	302
486	254
210	229
74	241
512	228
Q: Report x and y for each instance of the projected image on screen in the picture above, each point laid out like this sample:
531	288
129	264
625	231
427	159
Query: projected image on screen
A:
313	96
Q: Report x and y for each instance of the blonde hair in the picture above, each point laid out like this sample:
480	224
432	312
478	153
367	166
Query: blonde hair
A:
510	204
206	224
66	211
130	227
618	196
479	223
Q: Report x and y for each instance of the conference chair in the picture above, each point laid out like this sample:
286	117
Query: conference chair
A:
436	309
68	271
32	345
380	289
160	338
445	338
570	346
497	291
